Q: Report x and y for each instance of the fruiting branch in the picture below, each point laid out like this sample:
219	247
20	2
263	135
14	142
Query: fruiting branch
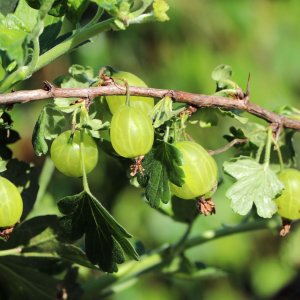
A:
198	100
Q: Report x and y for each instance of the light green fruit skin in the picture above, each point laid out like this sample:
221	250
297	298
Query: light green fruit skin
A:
131	132
65	154
11	204
289	201
145	104
200	171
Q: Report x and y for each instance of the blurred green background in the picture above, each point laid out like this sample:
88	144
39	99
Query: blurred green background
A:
257	36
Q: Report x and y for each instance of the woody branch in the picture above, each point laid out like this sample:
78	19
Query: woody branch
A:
197	100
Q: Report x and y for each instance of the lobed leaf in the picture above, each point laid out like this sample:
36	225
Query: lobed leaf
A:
106	241
161	165
256	184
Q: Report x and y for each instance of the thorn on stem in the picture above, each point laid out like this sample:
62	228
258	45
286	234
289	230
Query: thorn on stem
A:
48	86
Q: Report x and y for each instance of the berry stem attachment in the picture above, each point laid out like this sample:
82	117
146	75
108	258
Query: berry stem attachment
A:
268	147
84	176
277	148
127	93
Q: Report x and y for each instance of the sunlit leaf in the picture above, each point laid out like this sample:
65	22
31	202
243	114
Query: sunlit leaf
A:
256	183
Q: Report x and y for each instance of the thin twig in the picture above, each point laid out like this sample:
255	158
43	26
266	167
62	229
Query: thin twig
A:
227	146
198	100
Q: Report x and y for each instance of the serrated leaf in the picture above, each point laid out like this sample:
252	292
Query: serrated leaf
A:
106	241
161	165
256	184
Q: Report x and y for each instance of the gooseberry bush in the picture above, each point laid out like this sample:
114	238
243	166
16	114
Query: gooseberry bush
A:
145	129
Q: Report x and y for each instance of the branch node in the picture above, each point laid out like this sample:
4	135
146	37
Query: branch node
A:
227	146
48	86
276	130
171	94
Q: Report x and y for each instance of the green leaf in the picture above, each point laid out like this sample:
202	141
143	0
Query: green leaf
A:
2	165
7	6
22	280
79	76
225	86
161	165
256	184
160	8
163	111
2	71
38	136
289	111
106	241
233	114
207	117
49	125
184	211
58	9
22	12
11	41
255	134
109	5
55	122
75	9
221	72
40	237
83	74
48	38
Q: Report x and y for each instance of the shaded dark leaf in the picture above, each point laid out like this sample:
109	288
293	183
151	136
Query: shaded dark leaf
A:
161	165
106	241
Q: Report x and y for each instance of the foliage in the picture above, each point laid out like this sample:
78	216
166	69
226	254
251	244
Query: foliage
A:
69	253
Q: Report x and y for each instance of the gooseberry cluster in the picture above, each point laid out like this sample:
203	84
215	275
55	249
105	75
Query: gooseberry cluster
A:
132	135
